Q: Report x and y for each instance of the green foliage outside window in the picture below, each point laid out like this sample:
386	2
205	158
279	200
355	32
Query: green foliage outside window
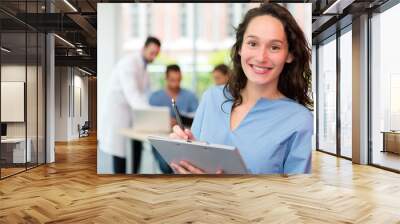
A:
219	57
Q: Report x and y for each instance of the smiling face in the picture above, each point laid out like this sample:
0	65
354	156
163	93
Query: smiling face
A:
264	51
150	52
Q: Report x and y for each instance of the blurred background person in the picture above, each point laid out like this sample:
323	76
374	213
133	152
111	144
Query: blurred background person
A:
186	101
128	89
221	74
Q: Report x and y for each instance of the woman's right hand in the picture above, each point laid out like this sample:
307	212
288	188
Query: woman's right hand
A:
178	133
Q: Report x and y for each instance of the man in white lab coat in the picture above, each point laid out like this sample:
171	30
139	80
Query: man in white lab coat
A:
128	88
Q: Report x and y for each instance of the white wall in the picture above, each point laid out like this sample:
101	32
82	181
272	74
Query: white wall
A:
33	126
12	73
71	93
314	93
80	110
61	103
17	73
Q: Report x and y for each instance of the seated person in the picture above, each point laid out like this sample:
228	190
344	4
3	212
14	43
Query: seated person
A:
221	74
185	100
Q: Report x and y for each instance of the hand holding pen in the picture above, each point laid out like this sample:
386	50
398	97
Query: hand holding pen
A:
179	131
177	114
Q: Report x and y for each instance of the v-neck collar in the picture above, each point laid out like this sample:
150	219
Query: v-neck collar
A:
177	96
228	108
243	119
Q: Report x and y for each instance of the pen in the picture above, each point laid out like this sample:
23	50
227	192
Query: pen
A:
177	115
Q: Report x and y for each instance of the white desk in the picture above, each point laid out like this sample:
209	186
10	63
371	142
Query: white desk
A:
141	136
148	165
19	149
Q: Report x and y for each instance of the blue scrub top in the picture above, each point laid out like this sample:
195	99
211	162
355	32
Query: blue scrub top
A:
186	101
274	137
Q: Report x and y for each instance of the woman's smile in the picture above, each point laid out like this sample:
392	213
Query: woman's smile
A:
261	70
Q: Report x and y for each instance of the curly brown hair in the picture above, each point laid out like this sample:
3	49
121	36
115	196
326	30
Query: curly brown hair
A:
295	78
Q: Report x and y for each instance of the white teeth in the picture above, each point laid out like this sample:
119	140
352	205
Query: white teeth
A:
260	69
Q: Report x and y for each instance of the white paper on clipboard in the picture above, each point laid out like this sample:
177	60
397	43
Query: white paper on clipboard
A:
208	157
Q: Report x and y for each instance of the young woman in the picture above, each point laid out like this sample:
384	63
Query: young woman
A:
264	109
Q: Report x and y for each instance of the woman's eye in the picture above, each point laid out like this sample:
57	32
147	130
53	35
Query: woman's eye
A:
275	48
251	43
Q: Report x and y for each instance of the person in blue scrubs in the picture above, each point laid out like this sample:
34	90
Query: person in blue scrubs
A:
185	100
264	109
221	74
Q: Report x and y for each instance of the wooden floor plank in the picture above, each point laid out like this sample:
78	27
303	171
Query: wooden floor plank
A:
70	191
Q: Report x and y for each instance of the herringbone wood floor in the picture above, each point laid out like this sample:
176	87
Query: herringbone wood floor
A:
70	191
9	171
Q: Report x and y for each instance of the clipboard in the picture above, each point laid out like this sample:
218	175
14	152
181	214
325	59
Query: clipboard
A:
208	157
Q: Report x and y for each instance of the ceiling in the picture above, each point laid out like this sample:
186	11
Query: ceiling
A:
77	25
76	22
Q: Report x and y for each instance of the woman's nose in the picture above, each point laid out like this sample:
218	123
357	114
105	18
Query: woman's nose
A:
262	55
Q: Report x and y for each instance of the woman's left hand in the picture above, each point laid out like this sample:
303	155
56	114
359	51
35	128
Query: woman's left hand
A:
184	167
